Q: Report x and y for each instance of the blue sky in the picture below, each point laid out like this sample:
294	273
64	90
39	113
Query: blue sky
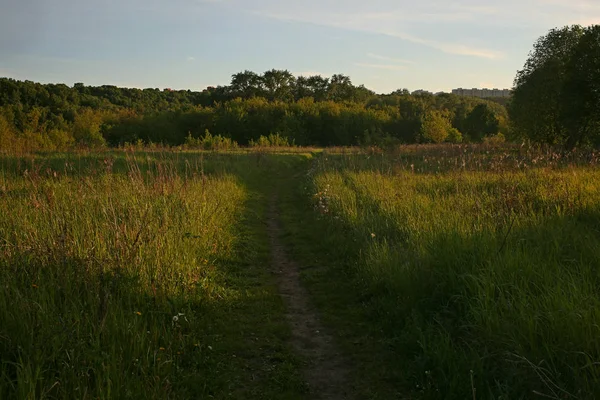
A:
190	44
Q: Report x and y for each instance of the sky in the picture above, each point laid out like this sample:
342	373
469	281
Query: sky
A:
435	45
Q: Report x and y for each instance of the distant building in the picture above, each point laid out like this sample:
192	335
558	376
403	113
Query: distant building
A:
482	93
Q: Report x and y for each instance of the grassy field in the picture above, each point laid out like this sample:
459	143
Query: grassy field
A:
457	272
139	275
443	272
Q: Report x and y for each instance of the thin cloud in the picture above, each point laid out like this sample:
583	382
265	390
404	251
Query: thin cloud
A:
450	48
457	14
352	23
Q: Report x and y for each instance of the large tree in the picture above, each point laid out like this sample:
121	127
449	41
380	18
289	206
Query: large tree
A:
535	108
580	107
246	84
279	84
340	88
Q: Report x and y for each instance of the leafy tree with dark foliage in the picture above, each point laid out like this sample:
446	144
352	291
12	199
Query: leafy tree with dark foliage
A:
556	98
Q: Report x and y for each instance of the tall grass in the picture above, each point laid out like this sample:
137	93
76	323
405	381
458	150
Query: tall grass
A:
142	274
479	268
116	280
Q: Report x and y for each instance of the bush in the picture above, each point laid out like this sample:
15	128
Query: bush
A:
494	139
8	139
454	136
273	140
435	127
210	142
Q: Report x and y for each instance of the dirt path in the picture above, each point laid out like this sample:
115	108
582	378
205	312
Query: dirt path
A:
326	371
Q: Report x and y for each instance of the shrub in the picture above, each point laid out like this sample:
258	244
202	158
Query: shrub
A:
494	139
273	140
454	136
210	142
435	127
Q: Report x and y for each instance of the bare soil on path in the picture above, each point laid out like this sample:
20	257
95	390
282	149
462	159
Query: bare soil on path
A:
326	371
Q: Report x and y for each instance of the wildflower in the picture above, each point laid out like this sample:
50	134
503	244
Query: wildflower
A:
176	317
161	348
34	286
372	235
138	313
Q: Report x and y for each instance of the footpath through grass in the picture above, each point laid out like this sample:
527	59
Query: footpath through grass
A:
453	272
444	272
140	276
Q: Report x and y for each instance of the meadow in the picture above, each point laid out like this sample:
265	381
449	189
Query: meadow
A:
441	271
132	275
459	271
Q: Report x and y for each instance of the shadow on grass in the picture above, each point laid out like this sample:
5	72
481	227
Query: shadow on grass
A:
507	318
73	328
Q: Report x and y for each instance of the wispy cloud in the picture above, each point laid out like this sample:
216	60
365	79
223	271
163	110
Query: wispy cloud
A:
191	58
375	24
449	48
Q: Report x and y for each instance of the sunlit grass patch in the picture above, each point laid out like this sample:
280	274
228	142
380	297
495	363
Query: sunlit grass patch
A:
129	275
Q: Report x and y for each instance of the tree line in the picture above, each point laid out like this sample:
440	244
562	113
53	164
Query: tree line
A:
313	110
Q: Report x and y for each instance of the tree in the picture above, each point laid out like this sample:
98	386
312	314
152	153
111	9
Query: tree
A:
435	127
279	84
340	88
580	94
538	87
400	92
318	86
86	129
481	122
56	116
246	84
302	88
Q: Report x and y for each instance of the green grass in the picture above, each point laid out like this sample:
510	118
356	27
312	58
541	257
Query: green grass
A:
444	272
139	275
456	280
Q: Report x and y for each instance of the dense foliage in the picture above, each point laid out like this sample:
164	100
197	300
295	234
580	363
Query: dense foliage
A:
305	110
556	97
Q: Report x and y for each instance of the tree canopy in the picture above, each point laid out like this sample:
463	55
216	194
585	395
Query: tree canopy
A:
556	96
308	110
